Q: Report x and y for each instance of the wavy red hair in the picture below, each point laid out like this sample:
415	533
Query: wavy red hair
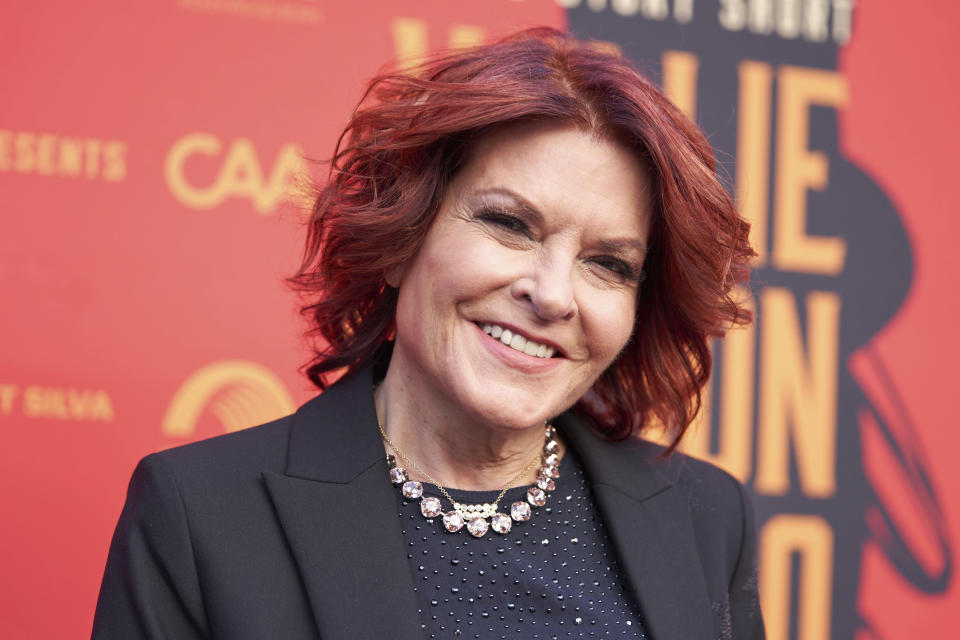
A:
412	131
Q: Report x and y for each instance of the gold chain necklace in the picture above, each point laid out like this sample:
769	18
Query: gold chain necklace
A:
475	516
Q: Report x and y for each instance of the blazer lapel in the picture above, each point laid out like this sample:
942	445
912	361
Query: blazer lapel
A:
338	513
649	521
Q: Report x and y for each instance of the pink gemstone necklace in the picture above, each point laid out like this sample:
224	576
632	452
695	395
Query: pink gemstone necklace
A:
475	516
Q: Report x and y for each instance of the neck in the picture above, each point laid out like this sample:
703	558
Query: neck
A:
456	450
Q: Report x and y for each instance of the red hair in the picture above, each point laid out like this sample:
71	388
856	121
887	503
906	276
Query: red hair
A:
411	132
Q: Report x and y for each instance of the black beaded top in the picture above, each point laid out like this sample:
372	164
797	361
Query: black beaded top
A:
554	576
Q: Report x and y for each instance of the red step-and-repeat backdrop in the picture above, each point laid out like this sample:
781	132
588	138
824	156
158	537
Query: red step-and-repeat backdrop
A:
148	153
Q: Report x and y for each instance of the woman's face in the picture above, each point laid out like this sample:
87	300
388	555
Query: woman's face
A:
541	235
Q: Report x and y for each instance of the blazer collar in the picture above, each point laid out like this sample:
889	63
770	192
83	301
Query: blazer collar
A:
336	509
334	437
648	519
633	466
338	512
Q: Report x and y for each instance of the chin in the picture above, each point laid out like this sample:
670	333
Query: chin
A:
515	411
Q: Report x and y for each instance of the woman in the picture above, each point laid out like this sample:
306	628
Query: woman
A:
516	264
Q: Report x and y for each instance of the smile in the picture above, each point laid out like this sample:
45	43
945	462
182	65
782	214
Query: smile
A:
518	342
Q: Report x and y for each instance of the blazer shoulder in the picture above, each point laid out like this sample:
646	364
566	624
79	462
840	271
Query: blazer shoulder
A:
638	467
179	504
714	494
247	451
704	481
722	515
712	484
720	506
717	501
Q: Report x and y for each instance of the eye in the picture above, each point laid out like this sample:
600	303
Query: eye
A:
617	268
505	221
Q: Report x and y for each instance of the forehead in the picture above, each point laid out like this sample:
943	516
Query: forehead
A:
568	174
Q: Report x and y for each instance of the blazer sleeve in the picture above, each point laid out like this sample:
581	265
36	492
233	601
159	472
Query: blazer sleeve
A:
150	585
745	619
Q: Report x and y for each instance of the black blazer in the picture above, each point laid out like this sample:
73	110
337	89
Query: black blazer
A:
289	531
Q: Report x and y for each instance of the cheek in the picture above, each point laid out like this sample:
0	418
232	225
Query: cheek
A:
610	330
471	271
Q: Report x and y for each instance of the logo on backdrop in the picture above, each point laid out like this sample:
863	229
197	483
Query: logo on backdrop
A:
202	171
239	393
826	235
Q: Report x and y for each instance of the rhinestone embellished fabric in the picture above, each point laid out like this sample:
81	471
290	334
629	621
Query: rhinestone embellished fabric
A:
556	577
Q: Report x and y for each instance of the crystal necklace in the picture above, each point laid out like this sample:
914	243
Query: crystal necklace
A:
475	516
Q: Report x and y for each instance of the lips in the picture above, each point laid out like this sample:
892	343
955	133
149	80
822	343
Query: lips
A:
518	342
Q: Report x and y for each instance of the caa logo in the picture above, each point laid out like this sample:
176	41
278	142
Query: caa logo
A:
241	174
239	393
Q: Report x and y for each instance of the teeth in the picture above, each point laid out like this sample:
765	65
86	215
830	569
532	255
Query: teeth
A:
517	341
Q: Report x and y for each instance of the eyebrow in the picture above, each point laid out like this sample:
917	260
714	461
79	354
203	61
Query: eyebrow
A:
622	245
613	245
519	201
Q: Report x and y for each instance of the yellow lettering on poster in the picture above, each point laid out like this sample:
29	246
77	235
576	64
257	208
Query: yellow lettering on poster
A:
798	393
732	15
625	7
70	160
809	538
193	144
296	12
92	157
67	404
815	16
411	37
8	395
800	169
760	16
842	20
114	161
735	428
287	169
24	149
651	9
680	80
240	175
238	392
467	35
46	149
788	18
6	138
791	18
38	404
753	150
654	9
49	154
683	11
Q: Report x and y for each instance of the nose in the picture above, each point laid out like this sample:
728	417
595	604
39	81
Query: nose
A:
547	287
